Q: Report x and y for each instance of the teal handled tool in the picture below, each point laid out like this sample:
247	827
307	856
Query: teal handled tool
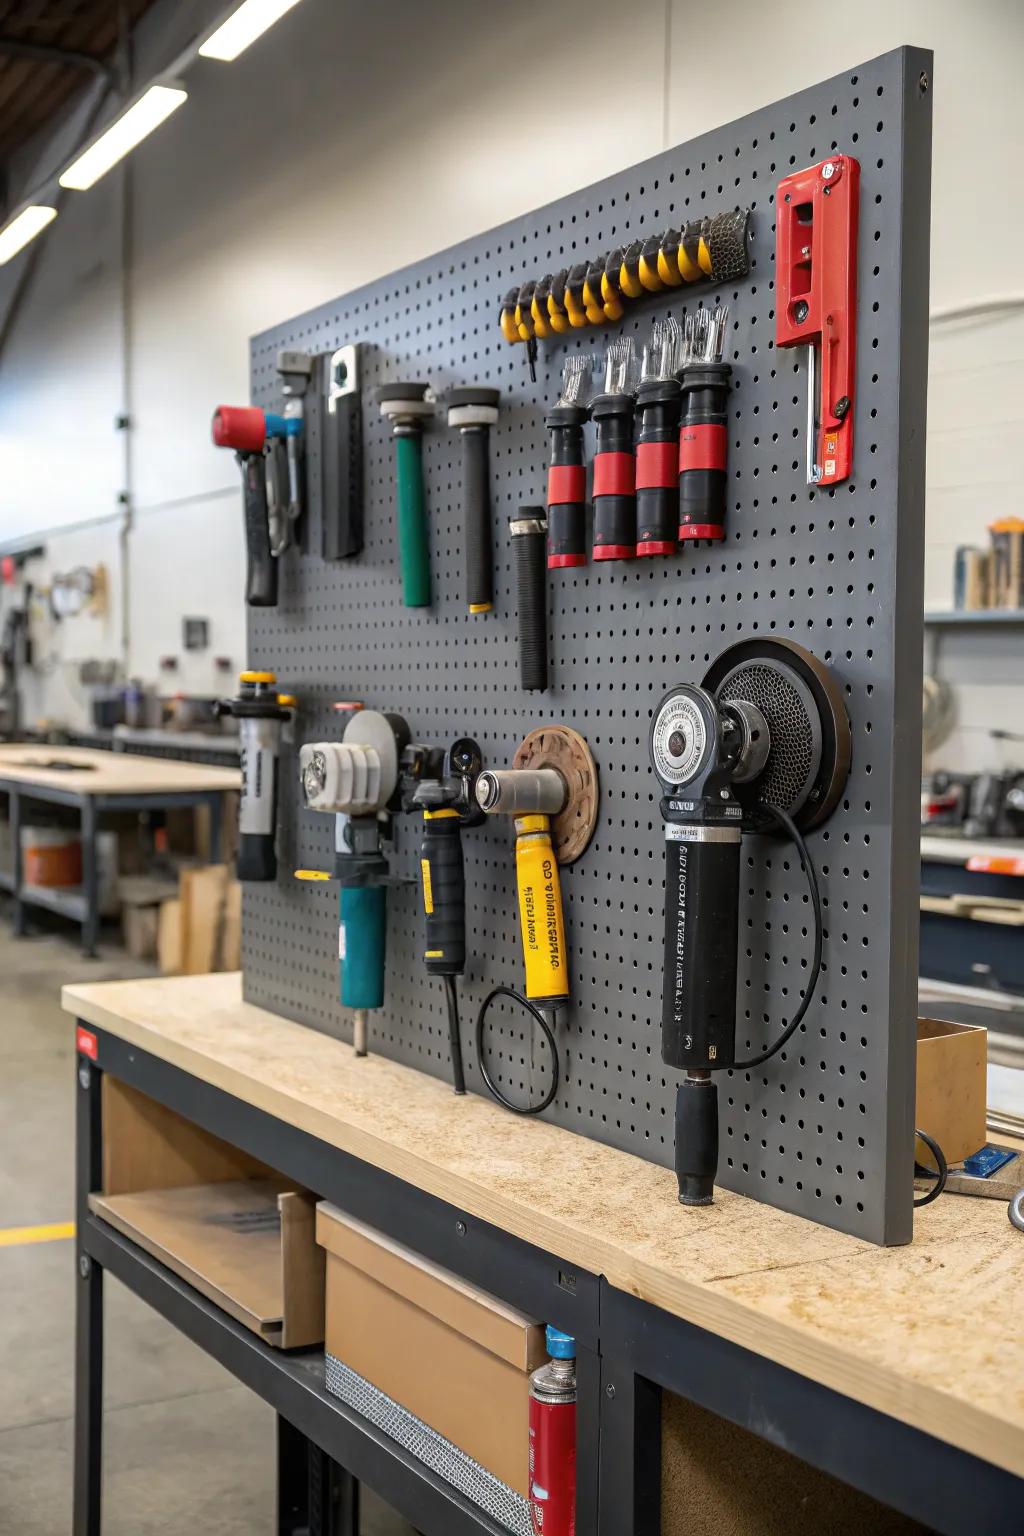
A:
357	780
407	407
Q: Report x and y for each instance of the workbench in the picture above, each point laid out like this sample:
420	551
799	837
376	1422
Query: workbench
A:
96	783
899	1371
956	942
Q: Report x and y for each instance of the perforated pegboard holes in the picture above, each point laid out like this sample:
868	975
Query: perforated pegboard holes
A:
811	1130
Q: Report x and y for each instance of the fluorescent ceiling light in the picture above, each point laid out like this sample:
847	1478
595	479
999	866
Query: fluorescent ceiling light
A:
124	133
17	234
243	27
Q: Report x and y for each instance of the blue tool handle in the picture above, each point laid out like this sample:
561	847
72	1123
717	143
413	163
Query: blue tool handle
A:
362	932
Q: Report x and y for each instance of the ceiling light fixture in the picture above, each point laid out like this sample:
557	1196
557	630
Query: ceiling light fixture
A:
151	109
17	234
244	26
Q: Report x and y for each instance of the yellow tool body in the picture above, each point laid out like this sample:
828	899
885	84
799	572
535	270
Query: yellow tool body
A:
541	918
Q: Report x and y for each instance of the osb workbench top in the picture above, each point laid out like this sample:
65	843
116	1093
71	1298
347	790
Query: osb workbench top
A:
91	771
932	1334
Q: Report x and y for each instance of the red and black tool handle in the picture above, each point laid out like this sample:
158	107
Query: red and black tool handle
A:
243	428
657	467
614	491
703	445
567	488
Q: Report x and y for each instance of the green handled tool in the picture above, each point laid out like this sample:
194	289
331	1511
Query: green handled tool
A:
407	407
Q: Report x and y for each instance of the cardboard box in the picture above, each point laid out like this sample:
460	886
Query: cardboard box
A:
951	1089
247	1245
453	1355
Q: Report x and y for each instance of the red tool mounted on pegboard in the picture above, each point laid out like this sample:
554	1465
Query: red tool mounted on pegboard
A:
816	284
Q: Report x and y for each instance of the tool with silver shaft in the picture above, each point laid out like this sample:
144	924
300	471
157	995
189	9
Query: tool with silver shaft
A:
294	370
357	781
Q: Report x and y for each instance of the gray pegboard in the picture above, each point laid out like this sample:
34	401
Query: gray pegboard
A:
825	1128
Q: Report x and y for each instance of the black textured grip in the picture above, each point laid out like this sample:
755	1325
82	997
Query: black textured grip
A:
444	894
698	1020
476	511
696	1139
532	603
261	567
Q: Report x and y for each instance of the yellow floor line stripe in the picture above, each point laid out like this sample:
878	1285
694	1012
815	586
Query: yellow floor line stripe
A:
57	1231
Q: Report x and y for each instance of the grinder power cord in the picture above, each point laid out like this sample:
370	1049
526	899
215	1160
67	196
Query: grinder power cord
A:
763	742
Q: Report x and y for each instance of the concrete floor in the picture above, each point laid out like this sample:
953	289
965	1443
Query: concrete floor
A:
186	1448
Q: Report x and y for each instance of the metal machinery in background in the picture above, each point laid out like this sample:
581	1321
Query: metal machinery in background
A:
832	564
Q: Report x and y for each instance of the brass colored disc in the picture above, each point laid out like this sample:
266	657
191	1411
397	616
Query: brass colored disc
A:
556	746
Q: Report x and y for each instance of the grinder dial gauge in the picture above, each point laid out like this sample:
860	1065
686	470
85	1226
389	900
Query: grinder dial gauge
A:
679	736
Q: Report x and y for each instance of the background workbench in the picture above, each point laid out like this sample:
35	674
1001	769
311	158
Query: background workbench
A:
95	783
919	1336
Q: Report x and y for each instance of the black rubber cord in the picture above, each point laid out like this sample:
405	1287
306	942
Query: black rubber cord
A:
941	1164
790	827
539	1019
451	997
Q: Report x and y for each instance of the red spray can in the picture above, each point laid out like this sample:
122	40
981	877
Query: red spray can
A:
553	1439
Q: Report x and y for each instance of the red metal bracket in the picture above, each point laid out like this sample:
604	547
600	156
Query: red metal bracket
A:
816	301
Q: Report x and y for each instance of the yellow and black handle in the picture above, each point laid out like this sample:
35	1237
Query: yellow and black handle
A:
443	875
595	291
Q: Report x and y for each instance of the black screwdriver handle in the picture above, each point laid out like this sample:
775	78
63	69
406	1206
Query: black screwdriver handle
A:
444	892
702	888
529	538
476	510
261	567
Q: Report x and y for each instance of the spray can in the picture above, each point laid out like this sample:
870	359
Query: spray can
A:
260	711
553	1439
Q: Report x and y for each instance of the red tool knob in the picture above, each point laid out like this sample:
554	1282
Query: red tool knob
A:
241	427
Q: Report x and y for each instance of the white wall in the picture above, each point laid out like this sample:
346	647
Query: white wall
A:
353	139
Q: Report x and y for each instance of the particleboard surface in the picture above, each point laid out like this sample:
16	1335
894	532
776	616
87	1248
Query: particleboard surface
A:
109	773
883	1326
